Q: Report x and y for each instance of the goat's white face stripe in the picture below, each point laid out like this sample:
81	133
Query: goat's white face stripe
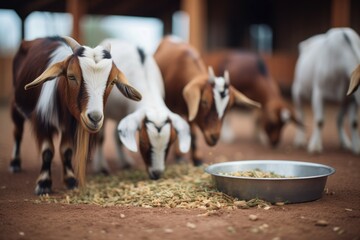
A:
220	102
159	136
95	70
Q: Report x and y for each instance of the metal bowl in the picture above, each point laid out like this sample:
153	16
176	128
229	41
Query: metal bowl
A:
304	181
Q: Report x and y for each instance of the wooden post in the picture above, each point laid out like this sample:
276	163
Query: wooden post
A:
340	13
197	10
77	8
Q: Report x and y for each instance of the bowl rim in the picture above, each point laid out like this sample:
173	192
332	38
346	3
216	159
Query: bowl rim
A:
209	168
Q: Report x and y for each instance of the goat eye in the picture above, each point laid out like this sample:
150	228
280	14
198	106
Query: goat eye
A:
72	78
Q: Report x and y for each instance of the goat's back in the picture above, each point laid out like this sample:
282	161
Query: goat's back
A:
29	62
179	64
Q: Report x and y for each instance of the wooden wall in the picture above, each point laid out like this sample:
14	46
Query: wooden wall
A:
291	21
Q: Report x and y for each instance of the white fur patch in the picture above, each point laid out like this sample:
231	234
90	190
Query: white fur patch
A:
220	103
46	107
158	131
95	70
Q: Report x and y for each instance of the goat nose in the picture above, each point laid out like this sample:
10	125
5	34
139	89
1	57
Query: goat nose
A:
155	175
95	116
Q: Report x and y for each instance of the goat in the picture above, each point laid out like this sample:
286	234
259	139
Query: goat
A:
72	103
192	91
158	127
322	74
249	74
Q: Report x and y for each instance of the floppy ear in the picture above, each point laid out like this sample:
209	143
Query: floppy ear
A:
355	80
127	129
192	95
123	84
50	73
241	99
183	131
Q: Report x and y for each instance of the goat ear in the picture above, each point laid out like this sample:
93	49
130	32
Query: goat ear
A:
355	80
52	72
192	95
127	129
183	132
241	99
123	84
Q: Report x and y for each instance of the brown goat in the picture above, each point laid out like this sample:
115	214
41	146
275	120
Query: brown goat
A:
249	74
193	92
72	103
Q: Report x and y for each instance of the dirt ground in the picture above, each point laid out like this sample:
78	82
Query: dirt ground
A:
22	218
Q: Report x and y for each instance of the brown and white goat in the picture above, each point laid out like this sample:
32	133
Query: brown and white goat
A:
61	86
193	92
156	125
249	74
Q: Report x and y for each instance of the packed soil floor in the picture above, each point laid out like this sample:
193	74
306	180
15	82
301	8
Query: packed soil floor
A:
334	216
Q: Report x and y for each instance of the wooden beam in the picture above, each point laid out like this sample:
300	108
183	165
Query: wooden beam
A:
77	8
340	13
197	10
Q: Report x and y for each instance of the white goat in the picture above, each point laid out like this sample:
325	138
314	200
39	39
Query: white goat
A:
322	73
157	125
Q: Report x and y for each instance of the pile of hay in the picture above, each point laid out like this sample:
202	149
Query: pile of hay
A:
183	186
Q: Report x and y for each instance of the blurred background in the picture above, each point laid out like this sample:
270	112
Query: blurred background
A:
271	27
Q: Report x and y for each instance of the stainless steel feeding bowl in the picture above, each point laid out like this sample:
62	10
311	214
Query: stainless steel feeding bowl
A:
303	181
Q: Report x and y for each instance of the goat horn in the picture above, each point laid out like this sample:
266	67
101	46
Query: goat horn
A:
211	74
240	98
227	76
72	43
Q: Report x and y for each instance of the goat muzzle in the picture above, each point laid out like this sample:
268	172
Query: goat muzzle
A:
92	122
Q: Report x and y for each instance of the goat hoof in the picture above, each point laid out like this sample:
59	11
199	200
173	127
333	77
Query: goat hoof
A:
15	165
71	183
197	162
43	187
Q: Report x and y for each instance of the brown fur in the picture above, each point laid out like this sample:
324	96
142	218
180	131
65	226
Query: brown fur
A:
188	89
81	154
30	72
